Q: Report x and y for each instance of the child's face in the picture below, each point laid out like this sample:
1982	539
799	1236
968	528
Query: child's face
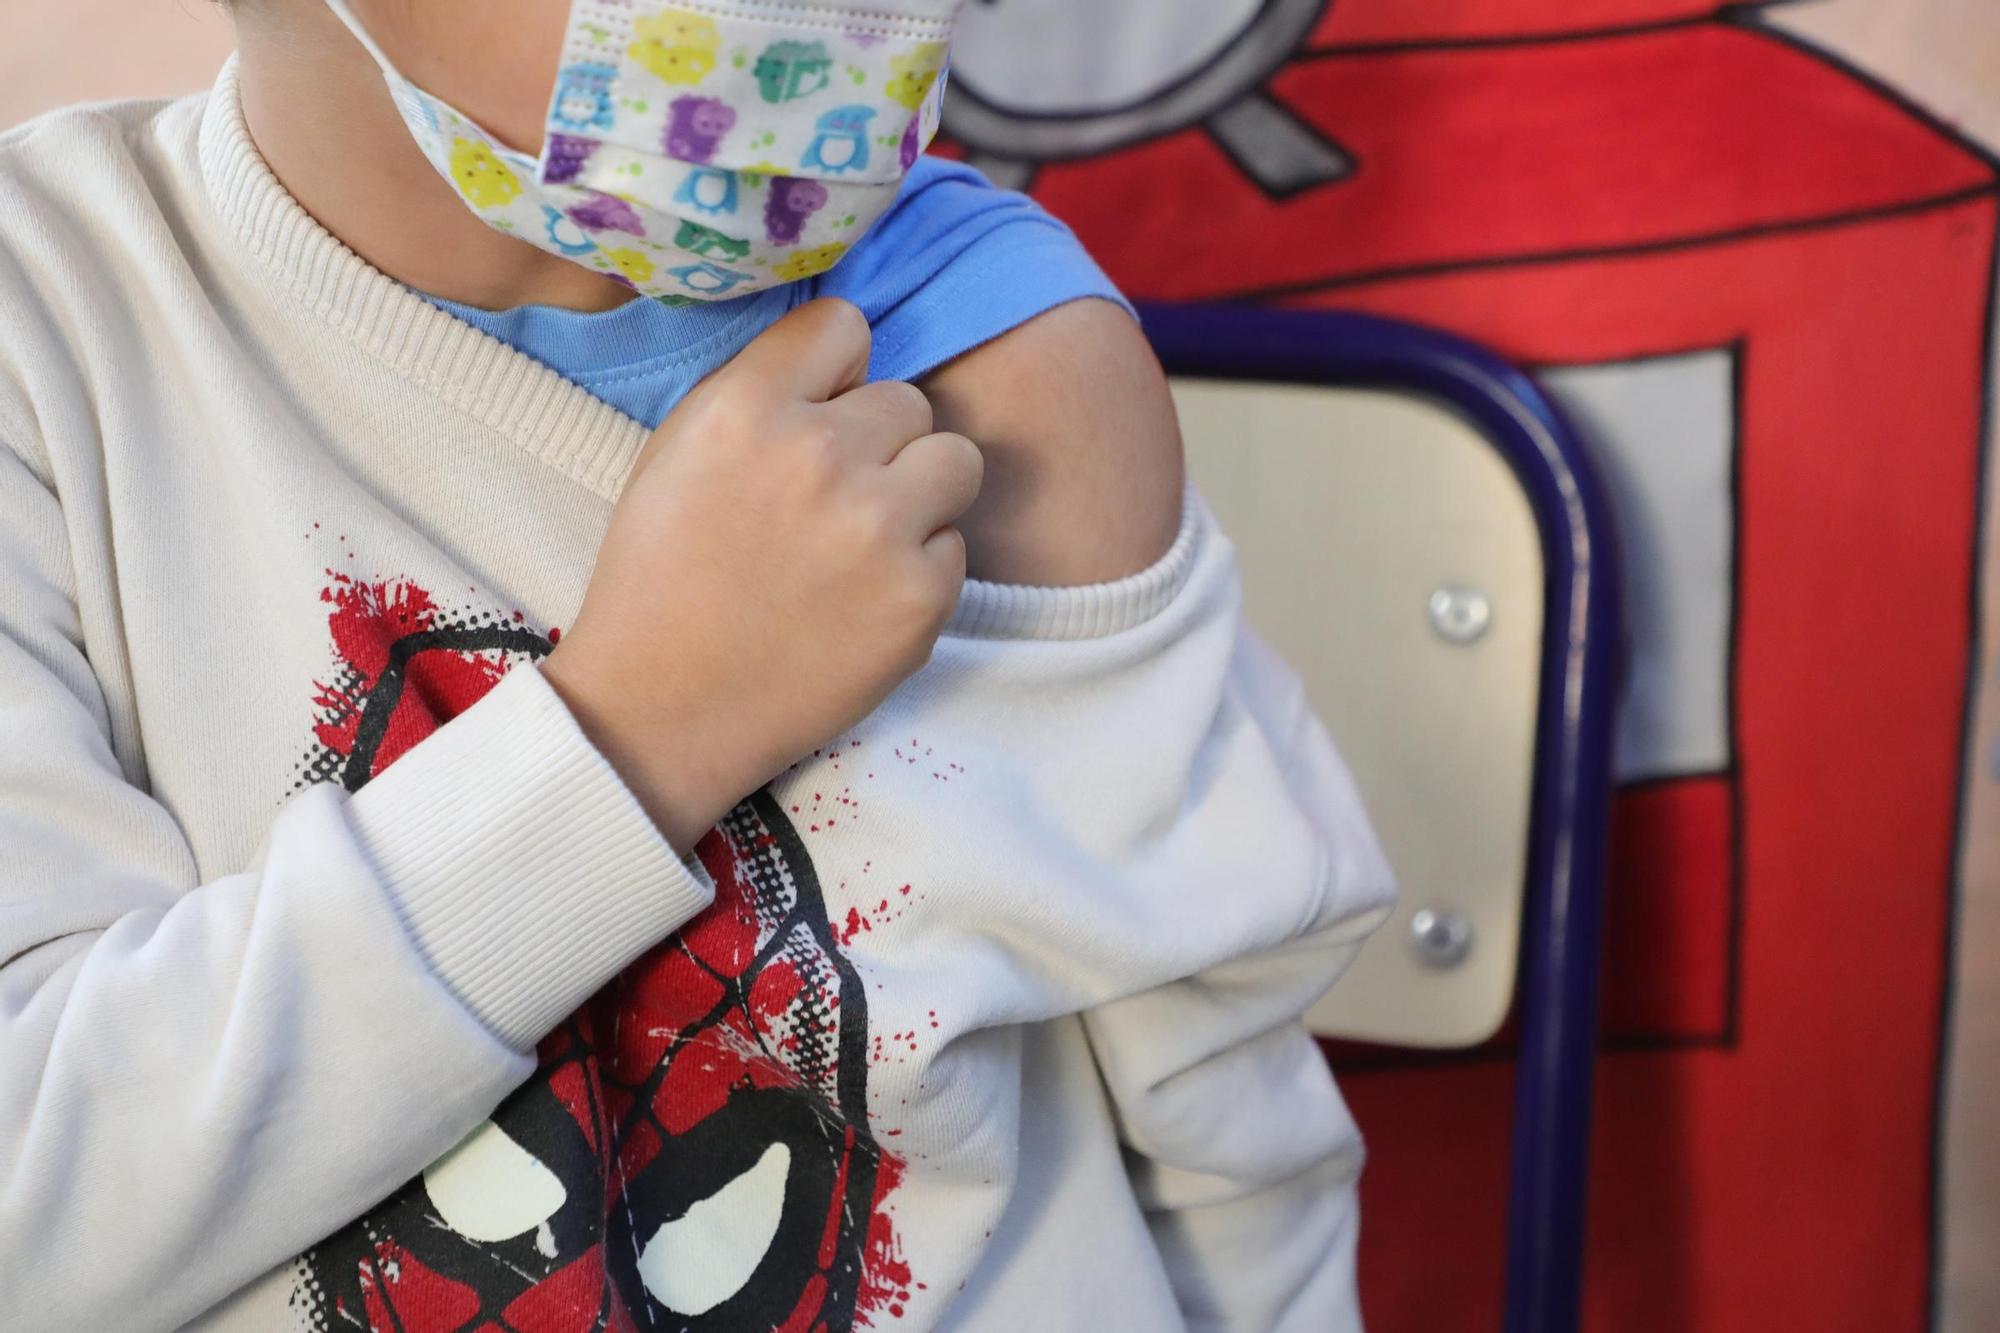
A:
495	60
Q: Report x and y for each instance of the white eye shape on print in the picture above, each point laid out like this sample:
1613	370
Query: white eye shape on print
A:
701	1259
489	1188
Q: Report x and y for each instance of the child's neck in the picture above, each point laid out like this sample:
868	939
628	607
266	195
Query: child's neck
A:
320	114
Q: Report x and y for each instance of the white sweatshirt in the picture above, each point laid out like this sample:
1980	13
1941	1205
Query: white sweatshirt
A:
343	984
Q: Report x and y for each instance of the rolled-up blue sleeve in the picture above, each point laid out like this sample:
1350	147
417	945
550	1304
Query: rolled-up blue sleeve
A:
956	262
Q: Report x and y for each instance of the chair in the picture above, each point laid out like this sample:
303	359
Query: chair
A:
1423	538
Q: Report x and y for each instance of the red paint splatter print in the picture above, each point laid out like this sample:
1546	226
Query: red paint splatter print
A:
744	1032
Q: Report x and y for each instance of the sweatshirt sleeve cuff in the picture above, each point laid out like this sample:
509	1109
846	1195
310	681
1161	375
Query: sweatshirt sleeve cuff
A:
1093	610
523	865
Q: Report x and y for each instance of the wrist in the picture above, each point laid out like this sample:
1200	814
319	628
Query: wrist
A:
658	755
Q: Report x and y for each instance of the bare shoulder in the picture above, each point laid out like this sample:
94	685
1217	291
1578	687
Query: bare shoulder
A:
1084	465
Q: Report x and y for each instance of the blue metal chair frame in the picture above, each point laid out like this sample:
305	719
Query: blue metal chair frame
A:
1563	908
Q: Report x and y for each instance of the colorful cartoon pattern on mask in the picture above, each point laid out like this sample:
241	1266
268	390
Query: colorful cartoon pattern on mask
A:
694	1151
785	129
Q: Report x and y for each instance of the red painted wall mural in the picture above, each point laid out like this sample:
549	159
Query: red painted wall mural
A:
1632	193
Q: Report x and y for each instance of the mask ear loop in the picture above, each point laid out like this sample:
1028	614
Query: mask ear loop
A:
408	95
347	16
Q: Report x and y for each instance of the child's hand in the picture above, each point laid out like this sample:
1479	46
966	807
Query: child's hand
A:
782	557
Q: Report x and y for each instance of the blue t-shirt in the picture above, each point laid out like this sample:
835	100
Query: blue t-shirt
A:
955	262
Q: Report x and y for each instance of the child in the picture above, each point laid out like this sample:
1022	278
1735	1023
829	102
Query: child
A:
512	811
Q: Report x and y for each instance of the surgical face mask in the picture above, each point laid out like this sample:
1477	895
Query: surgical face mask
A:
705	150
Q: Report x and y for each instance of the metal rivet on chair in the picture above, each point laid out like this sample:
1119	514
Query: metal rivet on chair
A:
1460	614
1441	938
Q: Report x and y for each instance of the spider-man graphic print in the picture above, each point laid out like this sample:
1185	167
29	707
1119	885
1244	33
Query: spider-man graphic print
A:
694	1151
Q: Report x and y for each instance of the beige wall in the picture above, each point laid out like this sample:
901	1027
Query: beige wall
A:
81	50
1945	52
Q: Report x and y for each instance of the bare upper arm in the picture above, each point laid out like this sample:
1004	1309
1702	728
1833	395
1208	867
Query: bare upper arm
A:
1084	465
